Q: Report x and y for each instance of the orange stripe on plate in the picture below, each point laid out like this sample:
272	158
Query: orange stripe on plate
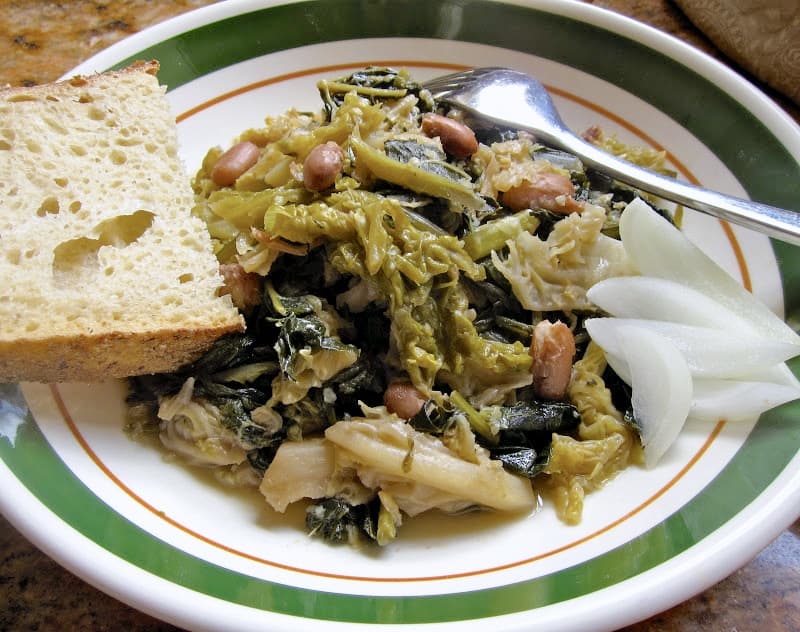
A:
453	67
73	427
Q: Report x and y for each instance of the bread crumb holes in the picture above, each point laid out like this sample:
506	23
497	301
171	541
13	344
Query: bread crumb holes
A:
49	206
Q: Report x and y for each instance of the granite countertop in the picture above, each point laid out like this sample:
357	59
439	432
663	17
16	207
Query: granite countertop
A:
41	40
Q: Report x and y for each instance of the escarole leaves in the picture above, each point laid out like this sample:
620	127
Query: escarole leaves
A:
415	271
300	328
376	84
413	176
518	435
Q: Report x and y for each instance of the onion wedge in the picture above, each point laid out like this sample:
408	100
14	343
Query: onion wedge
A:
659	249
737	400
661	389
708	352
663	299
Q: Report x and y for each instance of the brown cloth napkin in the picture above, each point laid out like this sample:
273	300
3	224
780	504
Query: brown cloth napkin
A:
763	36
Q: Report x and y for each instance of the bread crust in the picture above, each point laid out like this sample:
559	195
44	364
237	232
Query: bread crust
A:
118	346
111	355
150	67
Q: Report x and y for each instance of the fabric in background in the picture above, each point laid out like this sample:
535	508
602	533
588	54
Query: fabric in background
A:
763	36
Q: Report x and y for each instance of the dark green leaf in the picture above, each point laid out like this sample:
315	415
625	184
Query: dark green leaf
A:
226	352
235	416
366	375
296	333
522	460
364	81
337	521
310	414
538	416
431	419
425	156
558	158
260	458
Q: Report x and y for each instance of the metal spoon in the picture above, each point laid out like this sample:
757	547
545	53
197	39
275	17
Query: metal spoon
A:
513	99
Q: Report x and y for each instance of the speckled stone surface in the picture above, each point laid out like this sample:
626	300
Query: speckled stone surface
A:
40	41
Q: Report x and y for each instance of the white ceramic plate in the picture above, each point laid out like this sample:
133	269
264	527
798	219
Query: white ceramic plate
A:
174	544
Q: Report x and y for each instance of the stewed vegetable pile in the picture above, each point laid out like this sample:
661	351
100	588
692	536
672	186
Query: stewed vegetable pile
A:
416	289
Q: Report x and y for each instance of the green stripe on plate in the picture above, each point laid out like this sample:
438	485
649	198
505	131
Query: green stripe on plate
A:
39	468
757	159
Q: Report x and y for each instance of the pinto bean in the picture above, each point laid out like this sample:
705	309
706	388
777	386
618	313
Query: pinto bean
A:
548	190
234	162
403	399
244	287
322	166
552	349
458	140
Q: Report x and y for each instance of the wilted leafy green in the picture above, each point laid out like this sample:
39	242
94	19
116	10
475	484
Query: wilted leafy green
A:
337	521
531	418
363	380
299	327
459	192
374	83
525	430
375	239
425	156
522	460
260	458
519	435
432	419
309	415
492	235
228	352
436	333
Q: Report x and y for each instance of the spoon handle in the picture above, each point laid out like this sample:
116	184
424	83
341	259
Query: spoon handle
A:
776	222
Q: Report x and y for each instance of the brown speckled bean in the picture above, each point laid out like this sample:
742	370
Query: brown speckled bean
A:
552	349
457	139
322	166
548	190
234	162
403	399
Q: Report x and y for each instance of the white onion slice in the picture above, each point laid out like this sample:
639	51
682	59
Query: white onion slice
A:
661	389
737	400
708	352
620	366
780	374
662	299
659	249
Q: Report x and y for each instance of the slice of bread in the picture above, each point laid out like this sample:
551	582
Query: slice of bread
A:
105	273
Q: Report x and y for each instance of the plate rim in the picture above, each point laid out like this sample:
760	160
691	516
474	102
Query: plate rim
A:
215	12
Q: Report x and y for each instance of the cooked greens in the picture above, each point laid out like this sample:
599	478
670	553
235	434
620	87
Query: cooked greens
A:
409	270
